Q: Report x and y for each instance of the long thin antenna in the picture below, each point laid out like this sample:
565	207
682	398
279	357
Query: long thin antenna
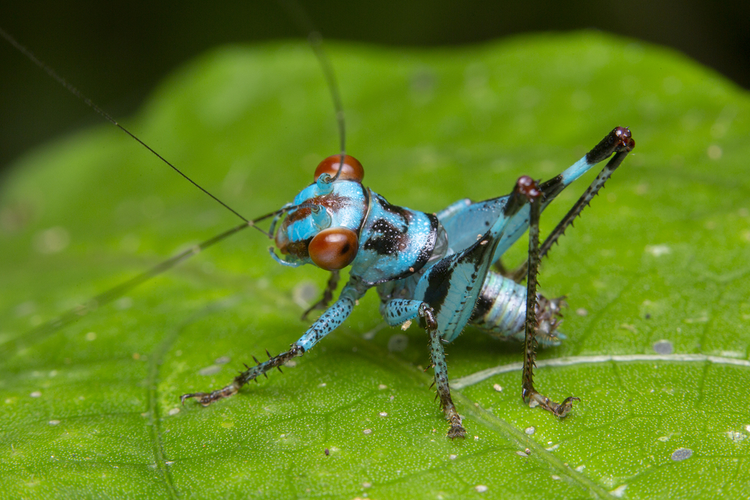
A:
316	42
315	39
118	291
73	90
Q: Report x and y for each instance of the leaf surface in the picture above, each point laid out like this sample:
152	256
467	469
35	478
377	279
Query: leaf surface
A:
655	274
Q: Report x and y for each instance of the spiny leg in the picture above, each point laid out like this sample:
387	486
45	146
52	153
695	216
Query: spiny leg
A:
251	373
619	142
398	311
328	321
333	282
529	393
437	354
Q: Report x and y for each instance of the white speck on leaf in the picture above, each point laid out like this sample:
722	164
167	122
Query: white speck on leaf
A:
663	347
209	370
658	250
681	454
52	240
736	436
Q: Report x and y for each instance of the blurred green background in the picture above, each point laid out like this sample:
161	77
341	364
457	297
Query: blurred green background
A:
115	52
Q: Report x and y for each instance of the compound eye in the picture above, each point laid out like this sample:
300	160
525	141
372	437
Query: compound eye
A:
334	248
352	170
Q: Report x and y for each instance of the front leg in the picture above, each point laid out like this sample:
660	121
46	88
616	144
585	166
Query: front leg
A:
206	398
329	321
398	311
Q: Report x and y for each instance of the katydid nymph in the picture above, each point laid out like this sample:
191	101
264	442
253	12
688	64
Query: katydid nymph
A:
433	268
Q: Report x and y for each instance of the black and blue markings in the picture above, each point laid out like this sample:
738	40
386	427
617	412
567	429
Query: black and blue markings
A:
435	268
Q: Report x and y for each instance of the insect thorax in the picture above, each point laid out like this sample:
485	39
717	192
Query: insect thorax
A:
395	242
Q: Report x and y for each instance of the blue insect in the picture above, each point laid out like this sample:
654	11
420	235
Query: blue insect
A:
433	268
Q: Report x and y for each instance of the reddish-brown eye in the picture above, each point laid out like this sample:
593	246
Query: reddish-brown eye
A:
333	248
352	170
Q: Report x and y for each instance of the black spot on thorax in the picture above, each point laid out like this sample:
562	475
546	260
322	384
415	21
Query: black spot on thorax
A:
386	239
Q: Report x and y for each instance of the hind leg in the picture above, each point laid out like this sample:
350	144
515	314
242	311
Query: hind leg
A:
528	391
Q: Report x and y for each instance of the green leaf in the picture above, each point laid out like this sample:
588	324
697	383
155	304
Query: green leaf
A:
658	263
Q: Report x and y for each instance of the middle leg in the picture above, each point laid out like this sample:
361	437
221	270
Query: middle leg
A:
397	312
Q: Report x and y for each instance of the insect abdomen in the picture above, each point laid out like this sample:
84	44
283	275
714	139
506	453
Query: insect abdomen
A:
501	311
501	306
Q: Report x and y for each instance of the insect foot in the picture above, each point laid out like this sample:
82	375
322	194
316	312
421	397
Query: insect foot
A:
560	410
457	430
252	373
206	398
